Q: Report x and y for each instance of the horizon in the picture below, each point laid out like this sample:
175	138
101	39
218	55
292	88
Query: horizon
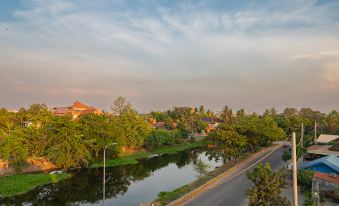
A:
170	108
251	55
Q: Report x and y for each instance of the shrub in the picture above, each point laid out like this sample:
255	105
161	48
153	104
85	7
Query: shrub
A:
159	137
305	179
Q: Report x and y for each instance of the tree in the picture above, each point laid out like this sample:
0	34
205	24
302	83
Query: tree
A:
202	110
305	179
100	130
227	115
13	146
159	137
267	187
290	112
271	112
130	129
68	146
286	156
332	121
229	144
120	105
240	113
260	131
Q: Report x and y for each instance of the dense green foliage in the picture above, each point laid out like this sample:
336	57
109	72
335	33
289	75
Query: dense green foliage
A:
286	155
228	142
19	184
266	188
68	142
68	146
305	179
248	133
75	142
161	137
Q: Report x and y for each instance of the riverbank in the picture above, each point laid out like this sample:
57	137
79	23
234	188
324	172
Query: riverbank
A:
165	198
20	184
33	164
212	179
133	158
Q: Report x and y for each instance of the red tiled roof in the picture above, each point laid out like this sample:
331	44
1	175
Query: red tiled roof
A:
78	104
326	177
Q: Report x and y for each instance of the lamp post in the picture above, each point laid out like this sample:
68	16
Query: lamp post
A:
104	181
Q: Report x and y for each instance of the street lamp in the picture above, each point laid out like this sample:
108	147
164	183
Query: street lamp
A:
104	181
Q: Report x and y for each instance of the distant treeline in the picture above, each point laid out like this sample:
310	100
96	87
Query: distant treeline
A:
75	142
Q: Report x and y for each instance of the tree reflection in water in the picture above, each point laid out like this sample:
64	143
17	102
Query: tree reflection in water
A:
86	185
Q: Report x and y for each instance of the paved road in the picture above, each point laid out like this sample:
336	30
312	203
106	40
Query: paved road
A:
232	192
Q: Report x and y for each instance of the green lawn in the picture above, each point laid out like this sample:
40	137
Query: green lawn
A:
19	184
133	159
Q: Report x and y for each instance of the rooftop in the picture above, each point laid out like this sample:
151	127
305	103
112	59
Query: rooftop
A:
78	104
330	161
325	138
322	150
327	177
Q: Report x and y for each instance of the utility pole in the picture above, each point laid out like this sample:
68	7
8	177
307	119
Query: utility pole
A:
294	156
302	143
302	134
315	132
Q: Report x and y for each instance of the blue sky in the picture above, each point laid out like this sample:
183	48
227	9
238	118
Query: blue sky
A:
158	54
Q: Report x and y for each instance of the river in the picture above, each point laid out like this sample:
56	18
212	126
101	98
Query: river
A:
127	185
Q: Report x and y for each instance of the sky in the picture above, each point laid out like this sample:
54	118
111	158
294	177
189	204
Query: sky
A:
164	53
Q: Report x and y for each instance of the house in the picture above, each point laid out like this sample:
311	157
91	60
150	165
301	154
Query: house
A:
328	178
76	109
326	139
324	147
60	111
212	122
327	164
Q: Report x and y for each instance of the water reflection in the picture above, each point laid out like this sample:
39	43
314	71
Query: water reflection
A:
126	185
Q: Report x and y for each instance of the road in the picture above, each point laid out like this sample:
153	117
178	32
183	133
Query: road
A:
232	191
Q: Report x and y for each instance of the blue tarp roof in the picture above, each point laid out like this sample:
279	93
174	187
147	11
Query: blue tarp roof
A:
330	161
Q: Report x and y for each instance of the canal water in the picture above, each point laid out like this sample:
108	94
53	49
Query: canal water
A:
125	185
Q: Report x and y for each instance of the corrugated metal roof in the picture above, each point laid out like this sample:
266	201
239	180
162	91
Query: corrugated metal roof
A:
330	161
325	138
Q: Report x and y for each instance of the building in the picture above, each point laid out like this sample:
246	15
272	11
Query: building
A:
325	145
327	165
76	109
212	122
326	139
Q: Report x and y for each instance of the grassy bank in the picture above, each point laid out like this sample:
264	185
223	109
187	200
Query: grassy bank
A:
133	159
166	197
19	184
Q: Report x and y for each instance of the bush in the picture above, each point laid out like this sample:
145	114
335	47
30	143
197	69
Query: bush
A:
286	155
159	137
305	179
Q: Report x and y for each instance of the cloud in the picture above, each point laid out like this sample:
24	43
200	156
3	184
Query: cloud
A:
161	54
